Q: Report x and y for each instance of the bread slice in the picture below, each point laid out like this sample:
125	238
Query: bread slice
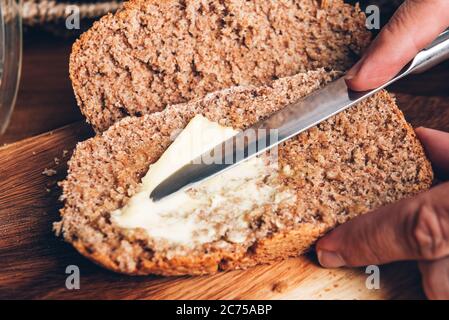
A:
154	53
361	159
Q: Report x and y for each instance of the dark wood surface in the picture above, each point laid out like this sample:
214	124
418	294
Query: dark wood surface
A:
33	260
45	100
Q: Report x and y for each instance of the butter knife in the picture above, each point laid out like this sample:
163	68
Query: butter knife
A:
290	121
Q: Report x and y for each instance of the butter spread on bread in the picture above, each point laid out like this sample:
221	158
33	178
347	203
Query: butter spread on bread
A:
201	214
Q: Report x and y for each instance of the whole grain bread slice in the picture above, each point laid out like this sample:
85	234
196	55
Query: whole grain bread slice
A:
363	158
154	53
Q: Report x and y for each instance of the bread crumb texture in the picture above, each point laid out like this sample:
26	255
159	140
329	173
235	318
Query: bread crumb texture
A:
153	53
363	158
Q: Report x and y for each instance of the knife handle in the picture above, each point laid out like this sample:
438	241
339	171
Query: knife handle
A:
435	53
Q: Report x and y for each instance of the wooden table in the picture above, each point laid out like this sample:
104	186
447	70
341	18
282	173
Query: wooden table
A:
33	260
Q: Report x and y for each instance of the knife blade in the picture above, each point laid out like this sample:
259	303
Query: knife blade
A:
289	122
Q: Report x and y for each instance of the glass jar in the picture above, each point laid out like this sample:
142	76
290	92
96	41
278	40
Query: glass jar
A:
10	57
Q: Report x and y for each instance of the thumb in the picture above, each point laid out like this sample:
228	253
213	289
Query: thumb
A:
415	25
416	228
436	144
412	229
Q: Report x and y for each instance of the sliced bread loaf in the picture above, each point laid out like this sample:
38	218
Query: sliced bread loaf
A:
361	159
153	53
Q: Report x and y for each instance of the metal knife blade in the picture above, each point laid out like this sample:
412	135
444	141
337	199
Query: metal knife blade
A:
290	121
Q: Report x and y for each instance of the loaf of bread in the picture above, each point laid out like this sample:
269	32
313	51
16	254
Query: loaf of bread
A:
356	161
153	53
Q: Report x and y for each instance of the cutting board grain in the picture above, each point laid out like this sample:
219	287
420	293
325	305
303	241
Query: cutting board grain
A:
33	261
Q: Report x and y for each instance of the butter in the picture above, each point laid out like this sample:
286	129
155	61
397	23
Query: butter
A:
199	136
219	208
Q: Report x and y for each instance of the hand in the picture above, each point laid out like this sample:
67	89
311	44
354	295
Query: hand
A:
414	26
412	229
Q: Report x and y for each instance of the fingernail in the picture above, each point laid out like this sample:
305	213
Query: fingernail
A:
329	259
351	74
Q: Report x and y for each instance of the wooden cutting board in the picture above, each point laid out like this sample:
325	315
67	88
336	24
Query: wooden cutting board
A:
33	261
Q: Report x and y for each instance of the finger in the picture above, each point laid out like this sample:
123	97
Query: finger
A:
411	229
435	278
436	144
415	25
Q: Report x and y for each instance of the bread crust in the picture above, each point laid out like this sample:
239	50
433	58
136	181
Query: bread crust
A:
279	247
154	53
374	159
